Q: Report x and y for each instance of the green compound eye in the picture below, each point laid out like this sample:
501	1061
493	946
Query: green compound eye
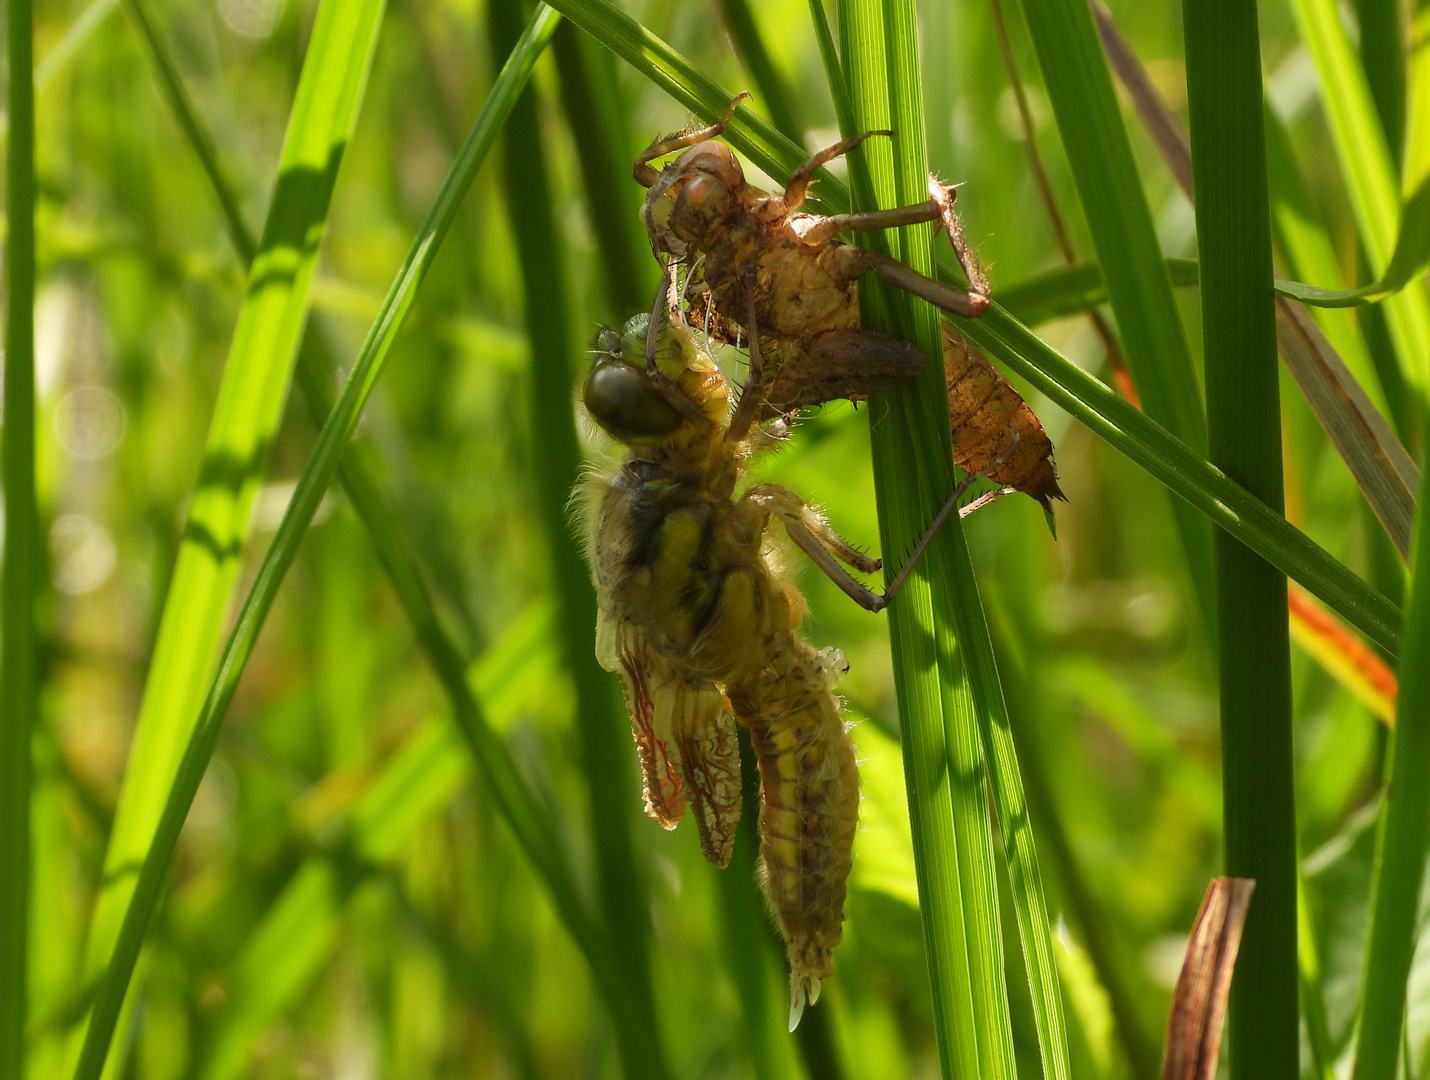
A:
627	405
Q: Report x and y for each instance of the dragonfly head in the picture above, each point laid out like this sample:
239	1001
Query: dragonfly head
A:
620	396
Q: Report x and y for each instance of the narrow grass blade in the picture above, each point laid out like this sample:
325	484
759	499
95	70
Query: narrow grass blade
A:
1228	504
589	99
1162	125
1199	1001
953	854
1382	468
556	470
1124	427
1100	154
1367	164
1360	434
287	949
1307	253
171	87
775	96
249	406
1403	836
20	573
1382	54
311	486
1313	998
1090	918
1244	421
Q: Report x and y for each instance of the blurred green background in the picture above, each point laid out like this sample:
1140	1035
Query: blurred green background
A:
345	901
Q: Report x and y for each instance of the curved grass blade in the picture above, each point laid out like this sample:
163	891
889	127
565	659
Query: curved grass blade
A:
1403	836
20	573
249	406
1192	477
311	486
998	333
1307	252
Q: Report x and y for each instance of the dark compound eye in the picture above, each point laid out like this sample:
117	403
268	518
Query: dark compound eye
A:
627	405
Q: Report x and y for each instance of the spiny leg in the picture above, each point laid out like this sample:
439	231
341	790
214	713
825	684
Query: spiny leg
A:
646	176
825	548
969	304
939	207
799	182
943	197
752	395
812	535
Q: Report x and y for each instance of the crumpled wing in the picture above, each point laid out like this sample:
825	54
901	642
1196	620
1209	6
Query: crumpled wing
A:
710	764
621	647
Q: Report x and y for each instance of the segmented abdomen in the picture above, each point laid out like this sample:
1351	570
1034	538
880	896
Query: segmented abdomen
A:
809	788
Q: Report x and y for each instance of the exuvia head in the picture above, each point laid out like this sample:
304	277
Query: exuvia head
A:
694	194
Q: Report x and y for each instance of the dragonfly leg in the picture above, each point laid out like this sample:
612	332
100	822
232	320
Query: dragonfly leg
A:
799	182
645	175
752	394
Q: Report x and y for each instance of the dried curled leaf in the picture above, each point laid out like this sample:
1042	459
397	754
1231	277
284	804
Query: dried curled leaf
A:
987	414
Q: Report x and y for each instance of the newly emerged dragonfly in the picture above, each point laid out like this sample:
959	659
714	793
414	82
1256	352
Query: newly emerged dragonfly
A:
701	625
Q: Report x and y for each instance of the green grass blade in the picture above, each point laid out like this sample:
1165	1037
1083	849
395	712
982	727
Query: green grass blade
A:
1309	255
1403	836
1100	154
775	97
1313	998
1244	421
556	470
311	486
249	406
21	572
1370	174
1380	465
938	698
171	87
1187	474
1382	53
590	99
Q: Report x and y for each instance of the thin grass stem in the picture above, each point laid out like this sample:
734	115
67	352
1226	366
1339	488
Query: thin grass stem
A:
1244	420
22	567
1404	833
